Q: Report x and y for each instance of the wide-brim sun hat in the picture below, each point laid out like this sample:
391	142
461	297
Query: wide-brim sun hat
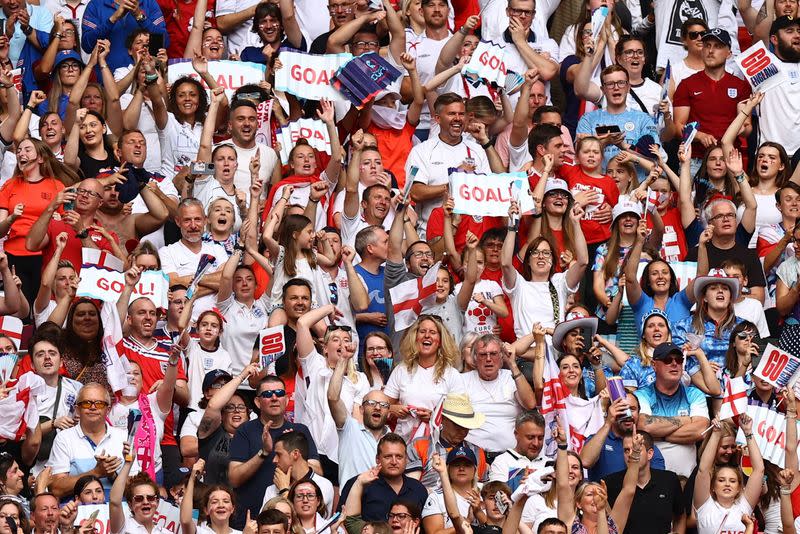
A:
458	408
715	276
571	322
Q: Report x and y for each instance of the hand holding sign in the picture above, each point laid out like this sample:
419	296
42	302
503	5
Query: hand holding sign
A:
271	345
777	367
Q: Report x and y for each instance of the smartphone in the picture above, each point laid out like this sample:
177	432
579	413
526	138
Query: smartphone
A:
69	206
12	524
156	43
501	504
605	129
586	334
202	168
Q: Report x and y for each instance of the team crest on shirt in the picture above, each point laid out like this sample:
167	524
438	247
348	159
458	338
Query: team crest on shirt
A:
163	366
732	92
208	363
629	126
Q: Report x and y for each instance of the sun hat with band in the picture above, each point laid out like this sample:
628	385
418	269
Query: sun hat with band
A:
715	276
458	408
572	321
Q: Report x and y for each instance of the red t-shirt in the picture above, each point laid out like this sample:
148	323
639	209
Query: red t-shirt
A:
72	251
476	225
578	182
36	197
506	323
153	363
711	103
394	146
673	245
178	16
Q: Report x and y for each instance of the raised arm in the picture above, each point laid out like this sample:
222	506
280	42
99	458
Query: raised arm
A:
452	48
305	341
352	204
335	403
702	482
565	494
396	233
226	280
212	416
188	524
752	490
342	35
194	44
117	494
583	85
520	121
578	267
685	202
397	31
507	252
326	115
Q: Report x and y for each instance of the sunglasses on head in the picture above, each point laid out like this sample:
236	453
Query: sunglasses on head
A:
272	392
141	498
335	327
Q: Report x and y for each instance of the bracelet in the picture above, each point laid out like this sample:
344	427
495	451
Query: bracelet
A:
563	446
310	199
284	490
58	35
519	374
748	436
32	109
486	145
513	226
786	491
740	177
462	31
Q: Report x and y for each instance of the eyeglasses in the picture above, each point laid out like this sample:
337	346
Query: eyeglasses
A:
272	392
493	354
71	65
376	349
373	403
669	360
305	496
493	245
364	44
88	193
514	12
141	498
86	404
420	254
633	53
68	33
695	35
558	194
619	84
723	217
235	408
335	327
541	254
401	516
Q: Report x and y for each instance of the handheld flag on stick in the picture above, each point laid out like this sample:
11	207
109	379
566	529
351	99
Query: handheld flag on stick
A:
205	263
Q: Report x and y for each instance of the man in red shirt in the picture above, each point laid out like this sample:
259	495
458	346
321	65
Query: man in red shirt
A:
80	224
710	97
153	357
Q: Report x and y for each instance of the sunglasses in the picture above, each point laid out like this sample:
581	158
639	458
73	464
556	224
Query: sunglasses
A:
335	327
745	334
92	404
373	403
272	392
695	35
669	360
142	498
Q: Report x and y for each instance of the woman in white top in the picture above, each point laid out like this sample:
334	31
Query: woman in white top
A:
306	497
216	507
155	406
540	294
458	484
142	496
318	370
146	110
692	31
720	496
426	375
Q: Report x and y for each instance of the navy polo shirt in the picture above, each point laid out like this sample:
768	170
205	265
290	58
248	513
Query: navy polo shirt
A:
378	497
612	458
245	444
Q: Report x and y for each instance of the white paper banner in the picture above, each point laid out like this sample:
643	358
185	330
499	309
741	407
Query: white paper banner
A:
598	19
487	62
230	75
769	431
271	345
314	130
101	523
167	516
489	195
309	75
107	285
777	366
263	134
760	68
95	256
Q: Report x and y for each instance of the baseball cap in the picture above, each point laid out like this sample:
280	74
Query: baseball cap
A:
556	184
665	349
64	55
783	22
720	35
214	375
462	452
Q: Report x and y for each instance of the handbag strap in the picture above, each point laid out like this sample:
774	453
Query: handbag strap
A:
554	299
638	100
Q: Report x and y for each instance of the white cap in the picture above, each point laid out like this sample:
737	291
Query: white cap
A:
556	184
626	206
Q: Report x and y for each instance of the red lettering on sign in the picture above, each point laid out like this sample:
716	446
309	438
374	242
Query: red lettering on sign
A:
310	76
775	364
492	61
272	343
755	62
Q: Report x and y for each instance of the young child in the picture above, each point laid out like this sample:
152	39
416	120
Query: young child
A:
747	308
591	188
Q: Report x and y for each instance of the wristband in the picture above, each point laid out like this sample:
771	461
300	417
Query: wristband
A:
486	145
262	454
519	374
312	200
31	108
284	490
26	29
463	31
513	226
786	491
740	177
58	35
563	447
748	436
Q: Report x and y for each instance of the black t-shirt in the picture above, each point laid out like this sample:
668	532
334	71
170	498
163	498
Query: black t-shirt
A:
748	256
654	506
91	167
215	450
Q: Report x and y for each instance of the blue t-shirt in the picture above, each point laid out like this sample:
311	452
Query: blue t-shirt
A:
374	284
685	401
677	309
714	346
612	459
634	124
635	374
